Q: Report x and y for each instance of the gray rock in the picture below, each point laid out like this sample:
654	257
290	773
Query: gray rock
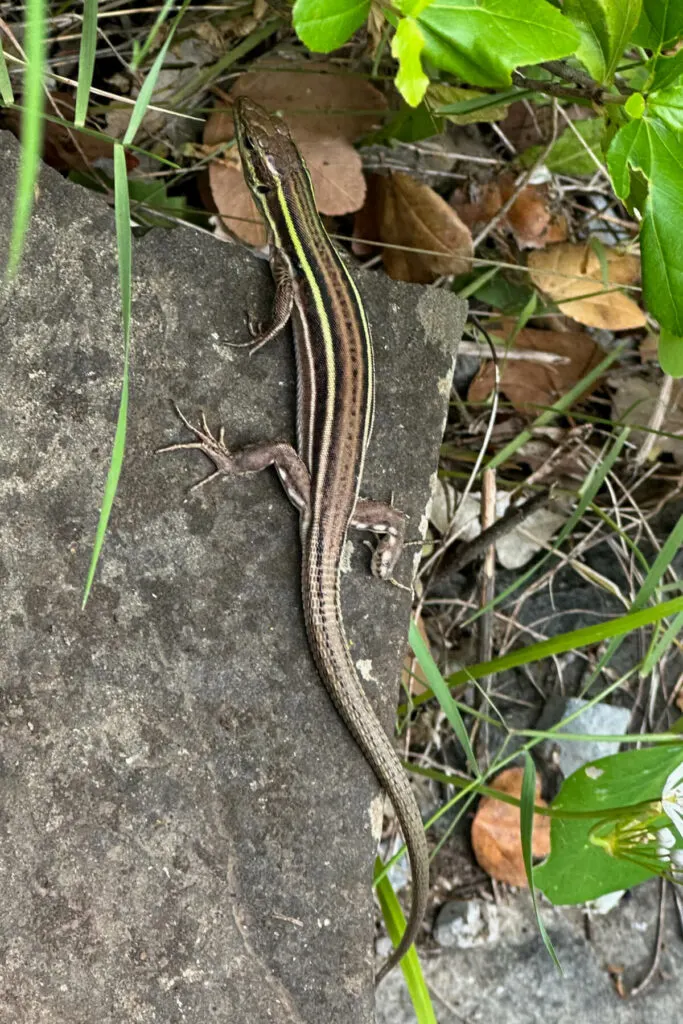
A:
466	924
513	981
186	825
597	720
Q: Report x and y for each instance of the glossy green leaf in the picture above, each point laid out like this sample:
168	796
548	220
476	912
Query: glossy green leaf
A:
406	47
661	23
670	351
651	146
577	870
666	71
323	25
482	41
605	27
667	104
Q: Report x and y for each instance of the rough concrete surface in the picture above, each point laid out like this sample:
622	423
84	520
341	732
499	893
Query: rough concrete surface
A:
513	981
185	826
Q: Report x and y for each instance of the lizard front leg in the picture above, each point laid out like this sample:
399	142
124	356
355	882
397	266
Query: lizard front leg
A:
292	471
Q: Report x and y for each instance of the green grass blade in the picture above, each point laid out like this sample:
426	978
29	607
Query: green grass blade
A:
587	493
123	240
147	90
86	60
439	688
526	813
661	644
648	588
410	964
31	130
564	403
557	645
152	34
6	93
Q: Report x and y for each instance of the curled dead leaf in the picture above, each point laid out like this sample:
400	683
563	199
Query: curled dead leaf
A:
531	218
496	831
566	272
407	215
530	384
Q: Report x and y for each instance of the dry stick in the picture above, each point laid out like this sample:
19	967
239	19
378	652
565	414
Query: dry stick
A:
513	518
473	348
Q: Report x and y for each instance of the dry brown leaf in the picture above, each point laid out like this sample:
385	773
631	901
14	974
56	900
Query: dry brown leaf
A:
403	212
529	384
495	831
530	218
323	135
567	270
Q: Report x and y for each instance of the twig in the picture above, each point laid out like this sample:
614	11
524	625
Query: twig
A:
555	89
513	518
472	348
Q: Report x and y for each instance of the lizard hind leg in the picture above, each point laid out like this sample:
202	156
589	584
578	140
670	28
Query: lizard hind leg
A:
390	525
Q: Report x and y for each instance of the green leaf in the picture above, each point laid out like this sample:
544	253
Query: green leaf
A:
661	23
406	47
635	105
31	129
649	145
605	27
568	155
666	70
577	869
668	105
670	352
482	41
323	25
86	61
410	964
6	94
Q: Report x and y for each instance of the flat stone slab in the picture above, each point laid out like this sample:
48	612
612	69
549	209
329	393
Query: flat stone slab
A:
186	830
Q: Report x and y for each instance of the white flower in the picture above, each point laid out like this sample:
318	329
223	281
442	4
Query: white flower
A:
672	798
666	840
